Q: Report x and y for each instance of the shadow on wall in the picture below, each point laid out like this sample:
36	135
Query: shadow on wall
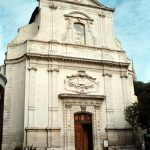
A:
3	82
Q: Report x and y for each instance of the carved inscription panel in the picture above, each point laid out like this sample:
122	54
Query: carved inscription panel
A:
79	33
81	83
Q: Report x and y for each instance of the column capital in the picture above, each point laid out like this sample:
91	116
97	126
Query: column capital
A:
56	69
97	107
32	68
124	75
68	106
52	6
107	73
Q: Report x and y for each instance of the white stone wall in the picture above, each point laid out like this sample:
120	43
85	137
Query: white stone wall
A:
13	125
48	108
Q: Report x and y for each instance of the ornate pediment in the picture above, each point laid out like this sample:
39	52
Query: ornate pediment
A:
81	82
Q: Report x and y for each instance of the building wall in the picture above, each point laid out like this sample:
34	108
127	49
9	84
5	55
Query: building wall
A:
49	82
1	115
3	82
13	125
50	78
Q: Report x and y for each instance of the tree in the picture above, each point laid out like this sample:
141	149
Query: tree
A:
138	114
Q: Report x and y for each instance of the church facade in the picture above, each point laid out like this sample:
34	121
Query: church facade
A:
69	80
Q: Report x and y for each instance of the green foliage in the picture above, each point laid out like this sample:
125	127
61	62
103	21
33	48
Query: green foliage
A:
28	148
138	114
131	114
17	148
31	148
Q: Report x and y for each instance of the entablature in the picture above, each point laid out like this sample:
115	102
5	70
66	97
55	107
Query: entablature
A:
81	96
81	100
60	58
53	48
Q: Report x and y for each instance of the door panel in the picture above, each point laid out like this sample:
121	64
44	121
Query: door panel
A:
83	132
78	137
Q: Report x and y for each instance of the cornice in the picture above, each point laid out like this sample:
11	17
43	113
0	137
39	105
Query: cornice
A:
67	59
34	128
81	96
67	44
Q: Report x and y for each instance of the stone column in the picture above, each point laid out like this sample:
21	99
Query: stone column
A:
50	97
109	99
53	32
55	97
68	127
98	134
53	126
72	128
65	125
69	144
102	29
31	102
125	88
70	31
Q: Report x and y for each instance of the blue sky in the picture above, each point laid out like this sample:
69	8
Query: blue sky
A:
132	28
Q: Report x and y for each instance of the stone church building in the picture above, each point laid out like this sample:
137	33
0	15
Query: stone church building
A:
68	80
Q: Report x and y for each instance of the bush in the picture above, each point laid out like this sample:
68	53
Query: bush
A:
18	148
31	148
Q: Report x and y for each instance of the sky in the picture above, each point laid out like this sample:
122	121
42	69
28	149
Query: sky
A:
131	23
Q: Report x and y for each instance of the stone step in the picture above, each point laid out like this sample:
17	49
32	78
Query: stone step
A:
128	147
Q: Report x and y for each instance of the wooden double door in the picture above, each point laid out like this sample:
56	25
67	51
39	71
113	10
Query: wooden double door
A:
83	132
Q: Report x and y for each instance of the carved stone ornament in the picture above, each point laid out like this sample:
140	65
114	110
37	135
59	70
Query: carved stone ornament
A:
83	108
124	75
52	6
81	83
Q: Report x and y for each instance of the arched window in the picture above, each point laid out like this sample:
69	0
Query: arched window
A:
79	33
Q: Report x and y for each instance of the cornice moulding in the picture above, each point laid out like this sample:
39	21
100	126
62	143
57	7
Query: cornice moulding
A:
66	58
81	96
67	44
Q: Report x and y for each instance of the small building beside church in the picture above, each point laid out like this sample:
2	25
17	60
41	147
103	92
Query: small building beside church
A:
3	82
68	80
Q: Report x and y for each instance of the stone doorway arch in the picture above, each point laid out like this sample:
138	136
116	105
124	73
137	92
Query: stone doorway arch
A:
74	104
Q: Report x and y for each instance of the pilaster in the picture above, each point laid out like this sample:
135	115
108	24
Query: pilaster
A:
109	99
124	80
53	127
31	99
102	29
53	96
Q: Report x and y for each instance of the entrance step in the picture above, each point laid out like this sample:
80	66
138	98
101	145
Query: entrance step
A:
128	147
